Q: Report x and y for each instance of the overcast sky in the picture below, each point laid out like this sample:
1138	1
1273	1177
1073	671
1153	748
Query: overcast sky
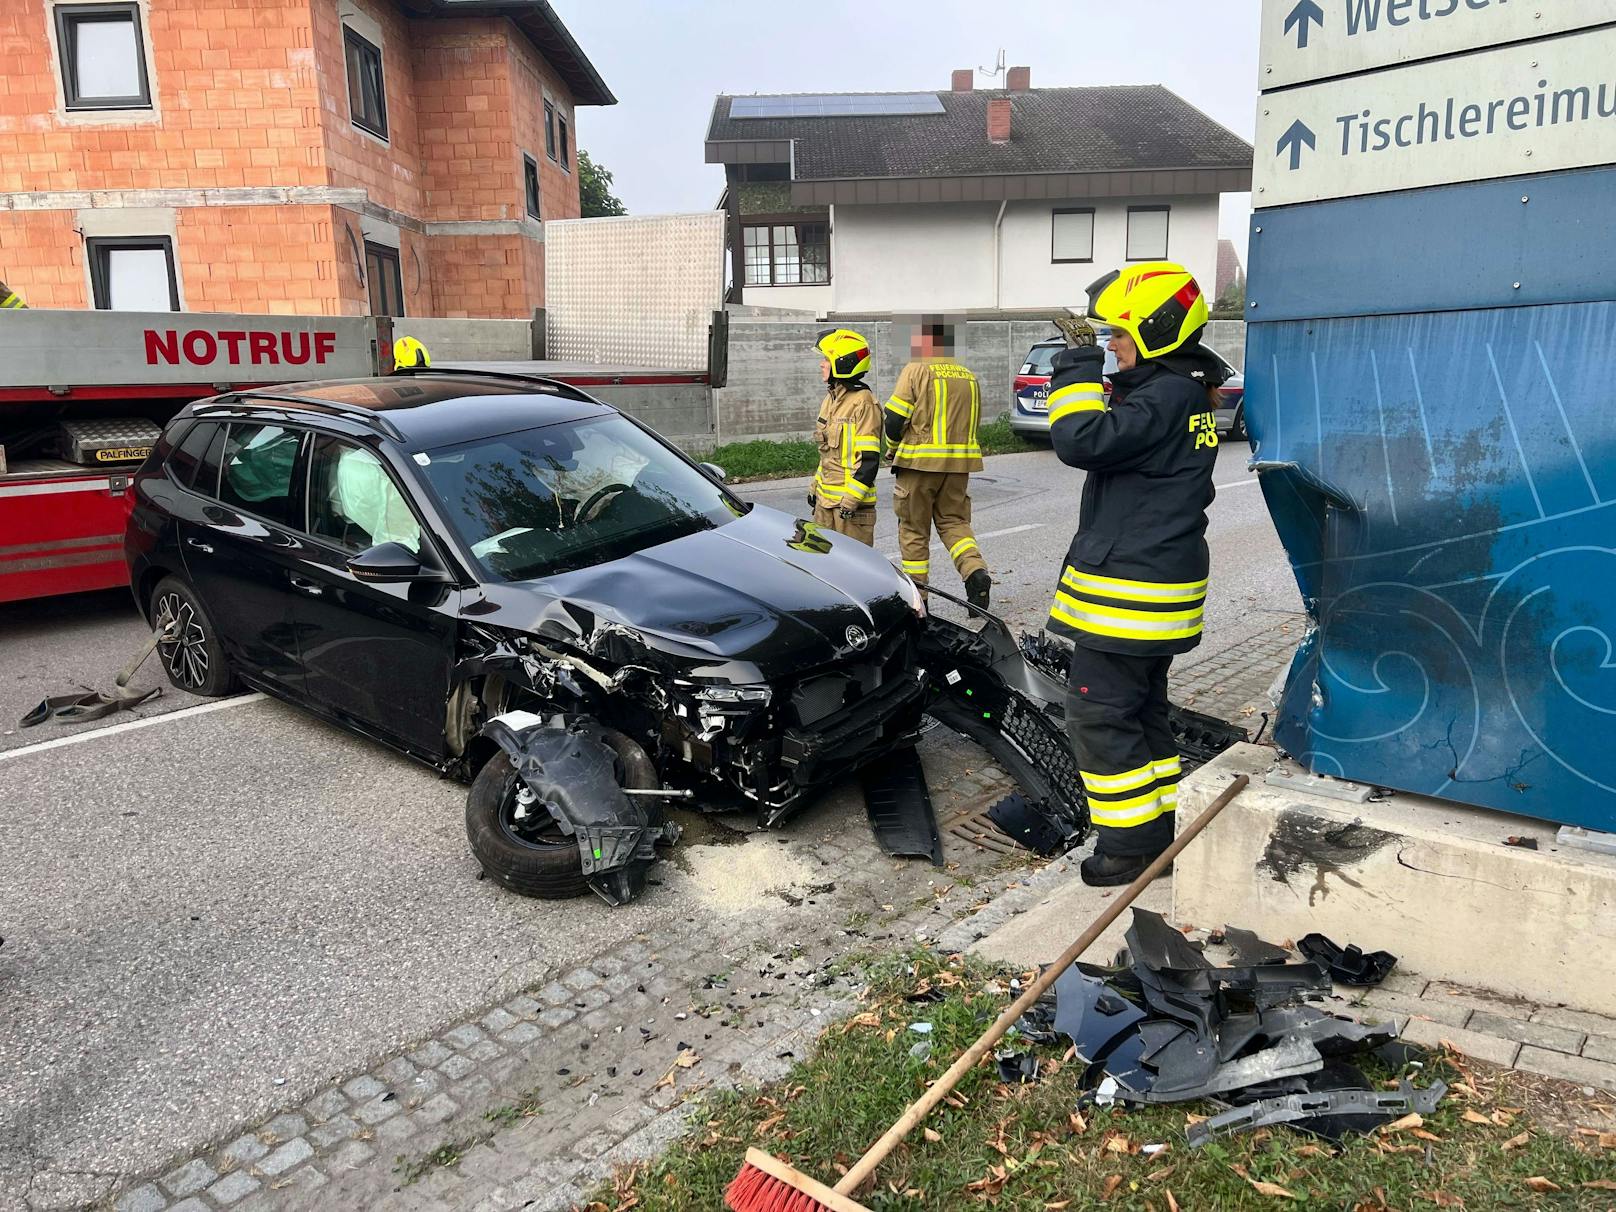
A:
667	59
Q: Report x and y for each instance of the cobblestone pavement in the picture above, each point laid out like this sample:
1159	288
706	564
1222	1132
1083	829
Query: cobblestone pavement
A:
528	1103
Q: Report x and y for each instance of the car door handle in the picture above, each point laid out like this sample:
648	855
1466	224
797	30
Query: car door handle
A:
204	548
304	585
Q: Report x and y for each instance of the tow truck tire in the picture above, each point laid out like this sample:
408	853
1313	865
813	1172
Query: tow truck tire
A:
198	665
549	871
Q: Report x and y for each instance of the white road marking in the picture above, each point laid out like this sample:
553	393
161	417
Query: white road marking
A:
130	726
1236	484
992	534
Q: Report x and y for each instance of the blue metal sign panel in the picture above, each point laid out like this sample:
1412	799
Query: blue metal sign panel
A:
1445	485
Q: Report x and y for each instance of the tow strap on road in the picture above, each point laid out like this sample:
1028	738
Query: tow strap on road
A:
92	704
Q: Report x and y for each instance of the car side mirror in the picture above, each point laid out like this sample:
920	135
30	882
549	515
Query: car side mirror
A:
391	564
717	472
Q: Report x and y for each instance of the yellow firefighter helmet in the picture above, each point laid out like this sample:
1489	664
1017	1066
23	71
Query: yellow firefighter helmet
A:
1157	303
409	353
847	352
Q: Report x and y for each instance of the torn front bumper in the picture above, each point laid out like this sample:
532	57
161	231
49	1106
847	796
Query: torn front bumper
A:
571	770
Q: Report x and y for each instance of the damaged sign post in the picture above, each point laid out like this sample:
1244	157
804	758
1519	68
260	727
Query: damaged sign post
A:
1432	323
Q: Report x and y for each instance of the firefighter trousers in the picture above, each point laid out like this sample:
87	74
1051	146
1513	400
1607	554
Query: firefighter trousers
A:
922	499
1116	716
860	527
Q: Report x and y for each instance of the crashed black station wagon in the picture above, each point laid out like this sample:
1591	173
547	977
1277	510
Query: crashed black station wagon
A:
464	565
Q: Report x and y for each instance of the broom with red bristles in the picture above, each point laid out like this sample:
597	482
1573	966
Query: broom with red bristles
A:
767	1184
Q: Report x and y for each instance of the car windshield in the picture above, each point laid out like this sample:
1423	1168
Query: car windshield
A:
545	501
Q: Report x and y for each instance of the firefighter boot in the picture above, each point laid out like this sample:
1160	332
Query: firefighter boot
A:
1111	870
977	587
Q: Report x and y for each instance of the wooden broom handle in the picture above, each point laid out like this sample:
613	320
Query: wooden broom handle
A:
939	1090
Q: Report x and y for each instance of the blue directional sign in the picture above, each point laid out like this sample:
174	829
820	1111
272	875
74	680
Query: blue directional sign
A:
1432	327
1305	40
1301	17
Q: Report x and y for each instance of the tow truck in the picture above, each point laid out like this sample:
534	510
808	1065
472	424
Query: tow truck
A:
83	396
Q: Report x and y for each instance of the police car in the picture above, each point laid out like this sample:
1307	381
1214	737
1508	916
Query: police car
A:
1029	405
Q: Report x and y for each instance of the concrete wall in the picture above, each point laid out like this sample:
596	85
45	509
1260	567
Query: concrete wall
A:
469	340
940	257
814	300
774	387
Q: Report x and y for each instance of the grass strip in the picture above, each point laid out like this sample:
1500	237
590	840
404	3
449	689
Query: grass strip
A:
1028	1148
769	460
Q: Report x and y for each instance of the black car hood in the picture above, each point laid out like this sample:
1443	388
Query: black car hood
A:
759	597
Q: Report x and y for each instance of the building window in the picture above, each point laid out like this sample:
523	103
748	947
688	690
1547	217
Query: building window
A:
787	254
133	273
367	91
549	130
103	57
1072	234
1147	233
386	280
566	143
530	182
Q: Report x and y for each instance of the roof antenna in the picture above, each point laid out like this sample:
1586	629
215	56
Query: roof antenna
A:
997	69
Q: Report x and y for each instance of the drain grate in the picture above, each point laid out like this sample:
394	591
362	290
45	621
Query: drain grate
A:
976	829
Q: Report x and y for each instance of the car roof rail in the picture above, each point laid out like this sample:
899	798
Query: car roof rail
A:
357	412
570	390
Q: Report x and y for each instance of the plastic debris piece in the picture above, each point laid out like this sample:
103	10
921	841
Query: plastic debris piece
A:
1298	1109
1249	949
1017	1068
1349	965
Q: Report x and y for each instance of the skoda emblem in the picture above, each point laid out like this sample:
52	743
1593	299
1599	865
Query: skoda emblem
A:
858	638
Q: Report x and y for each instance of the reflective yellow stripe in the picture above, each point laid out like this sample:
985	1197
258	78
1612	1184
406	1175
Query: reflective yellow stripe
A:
939	412
917	567
1104	814
1138	591
929	450
902	407
976	407
13	300
860	492
1128	780
867	445
1087	392
1168	768
960	548
1125	624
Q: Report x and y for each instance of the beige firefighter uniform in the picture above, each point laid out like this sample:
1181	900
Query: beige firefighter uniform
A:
933	417
848	430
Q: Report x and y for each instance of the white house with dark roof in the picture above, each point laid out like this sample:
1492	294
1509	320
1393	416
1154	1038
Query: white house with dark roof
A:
971	200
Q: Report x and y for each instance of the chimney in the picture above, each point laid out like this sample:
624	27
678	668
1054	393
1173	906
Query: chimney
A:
964	78
1020	79
999	120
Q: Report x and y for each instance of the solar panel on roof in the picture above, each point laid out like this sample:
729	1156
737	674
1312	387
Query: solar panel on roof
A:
835	105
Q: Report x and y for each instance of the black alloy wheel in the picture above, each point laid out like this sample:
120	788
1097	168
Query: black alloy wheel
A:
190	651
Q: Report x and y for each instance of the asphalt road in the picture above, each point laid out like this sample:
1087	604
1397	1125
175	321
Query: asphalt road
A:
211	907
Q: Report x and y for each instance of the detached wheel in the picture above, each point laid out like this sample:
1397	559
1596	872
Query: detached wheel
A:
193	659
520	846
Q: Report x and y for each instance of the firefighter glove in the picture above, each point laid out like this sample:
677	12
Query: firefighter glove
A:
1088	361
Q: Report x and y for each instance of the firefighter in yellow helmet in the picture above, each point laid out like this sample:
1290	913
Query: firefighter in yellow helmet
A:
1134	582
848	434
931	422
410	354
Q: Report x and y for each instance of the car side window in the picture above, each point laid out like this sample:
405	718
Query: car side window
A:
353	502
206	480
187	456
256	473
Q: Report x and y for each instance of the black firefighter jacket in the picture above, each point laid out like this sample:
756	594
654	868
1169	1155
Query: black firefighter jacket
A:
1136	573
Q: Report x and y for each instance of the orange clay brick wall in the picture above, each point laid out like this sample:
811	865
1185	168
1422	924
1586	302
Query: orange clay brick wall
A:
558	188
390	171
485	276
467	152
236	102
277	259
42	258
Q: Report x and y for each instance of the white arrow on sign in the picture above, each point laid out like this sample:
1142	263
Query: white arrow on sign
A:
1306	40
1531	108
